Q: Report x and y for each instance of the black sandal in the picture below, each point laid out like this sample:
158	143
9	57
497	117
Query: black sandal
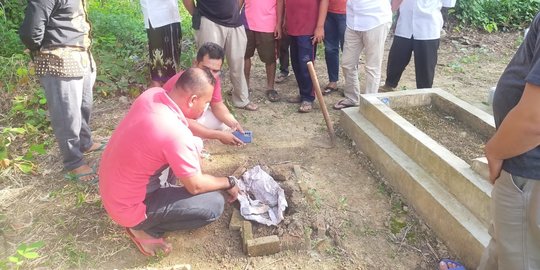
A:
272	95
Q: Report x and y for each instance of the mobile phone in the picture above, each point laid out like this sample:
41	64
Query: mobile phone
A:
246	137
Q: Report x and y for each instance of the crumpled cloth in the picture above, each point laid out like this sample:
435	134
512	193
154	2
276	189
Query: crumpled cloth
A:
261	198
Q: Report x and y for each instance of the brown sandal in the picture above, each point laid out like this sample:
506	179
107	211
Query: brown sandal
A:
250	107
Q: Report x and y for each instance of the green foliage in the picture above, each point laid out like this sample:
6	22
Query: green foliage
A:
495	15
11	16
24	254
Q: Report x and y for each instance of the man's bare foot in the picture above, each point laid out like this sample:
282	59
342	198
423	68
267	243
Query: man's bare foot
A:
147	244
84	173
449	265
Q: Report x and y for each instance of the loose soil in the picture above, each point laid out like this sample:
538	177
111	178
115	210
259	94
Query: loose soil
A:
447	130
367	225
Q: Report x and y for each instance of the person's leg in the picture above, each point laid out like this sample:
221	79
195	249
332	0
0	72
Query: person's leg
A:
284	44
64	99
351	56
210	121
398	59
266	47
250	51
306	53
235	48
515	242
374	50
174	208
85	135
425	61
331	48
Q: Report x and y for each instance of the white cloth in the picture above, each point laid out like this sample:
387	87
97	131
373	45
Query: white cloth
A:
421	19
364	15
261	198
160	12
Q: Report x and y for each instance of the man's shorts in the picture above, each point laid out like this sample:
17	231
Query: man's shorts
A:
265	43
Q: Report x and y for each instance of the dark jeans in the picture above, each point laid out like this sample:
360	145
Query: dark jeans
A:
284	43
174	208
425	60
334	34
302	51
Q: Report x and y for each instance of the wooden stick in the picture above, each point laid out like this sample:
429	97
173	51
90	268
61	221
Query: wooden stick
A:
324	110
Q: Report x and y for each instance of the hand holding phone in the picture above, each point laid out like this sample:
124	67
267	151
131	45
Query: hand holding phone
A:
246	137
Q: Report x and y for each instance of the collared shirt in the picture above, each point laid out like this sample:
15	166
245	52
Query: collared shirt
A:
152	137
58	35
421	19
364	15
160	12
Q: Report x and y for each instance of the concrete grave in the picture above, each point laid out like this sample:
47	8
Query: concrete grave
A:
452	198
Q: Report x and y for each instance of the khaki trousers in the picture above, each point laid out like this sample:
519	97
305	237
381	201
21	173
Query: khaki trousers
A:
515	230
372	43
233	40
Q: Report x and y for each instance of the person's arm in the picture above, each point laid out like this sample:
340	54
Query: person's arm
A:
395	5
518	133
201	131
190	6
279	14
318	35
32	29
222	113
202	183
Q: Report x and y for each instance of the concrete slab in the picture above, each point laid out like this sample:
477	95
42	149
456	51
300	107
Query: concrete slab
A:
453	172
263	246
462	231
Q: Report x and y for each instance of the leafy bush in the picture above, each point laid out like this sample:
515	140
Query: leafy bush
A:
495	15
11	16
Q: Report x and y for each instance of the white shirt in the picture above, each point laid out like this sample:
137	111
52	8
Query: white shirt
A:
160	12
364	15
421	19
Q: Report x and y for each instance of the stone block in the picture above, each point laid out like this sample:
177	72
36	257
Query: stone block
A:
297	171
263	246
480	166
236	220
247	234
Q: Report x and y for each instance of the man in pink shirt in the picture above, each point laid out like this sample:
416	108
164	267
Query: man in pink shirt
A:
152	150
263	27
217	122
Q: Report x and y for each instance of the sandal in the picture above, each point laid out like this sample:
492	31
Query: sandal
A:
101	147
281	77
76	177
456	265
329	90
139	241
272	95
344	103
305	107
250	107
295	99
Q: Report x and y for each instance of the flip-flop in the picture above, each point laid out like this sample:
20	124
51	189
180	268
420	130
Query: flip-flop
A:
77	176
101	147
459	266
139	241
344	103
328	90
272	95
250	107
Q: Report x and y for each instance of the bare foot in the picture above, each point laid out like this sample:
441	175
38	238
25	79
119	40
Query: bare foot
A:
332	85
85	173
149	244
447	266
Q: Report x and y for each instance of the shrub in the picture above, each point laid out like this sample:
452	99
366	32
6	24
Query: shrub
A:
495	15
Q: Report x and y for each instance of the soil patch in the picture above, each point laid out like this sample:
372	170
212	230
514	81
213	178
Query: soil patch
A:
446	129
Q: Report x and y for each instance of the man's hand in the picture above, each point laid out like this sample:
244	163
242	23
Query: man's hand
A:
318	36
230	139
495	167
233	194
277	32
235	125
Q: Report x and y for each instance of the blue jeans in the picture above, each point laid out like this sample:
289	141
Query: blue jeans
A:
334	33
302	51
174	208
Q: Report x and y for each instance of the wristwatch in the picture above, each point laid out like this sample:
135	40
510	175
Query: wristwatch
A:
232	182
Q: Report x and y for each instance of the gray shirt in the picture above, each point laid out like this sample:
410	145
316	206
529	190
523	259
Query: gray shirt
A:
523	68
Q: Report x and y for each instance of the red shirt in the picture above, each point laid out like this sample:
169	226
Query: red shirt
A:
216	95
302	17
337	6
152	136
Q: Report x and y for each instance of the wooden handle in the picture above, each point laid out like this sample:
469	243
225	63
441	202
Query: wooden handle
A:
320	98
